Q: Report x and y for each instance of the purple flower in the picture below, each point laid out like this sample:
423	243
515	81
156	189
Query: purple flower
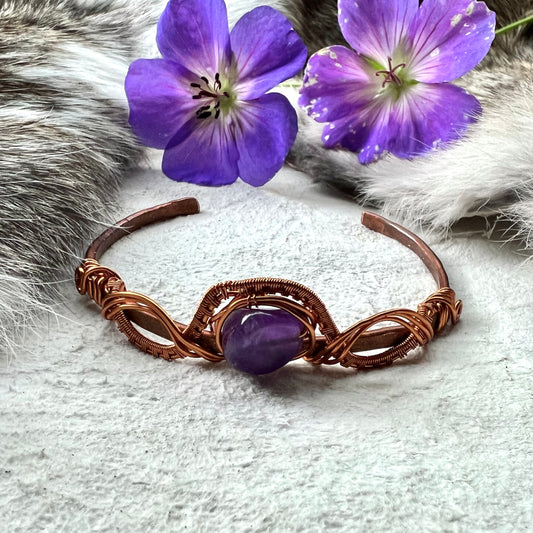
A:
204	101
391	95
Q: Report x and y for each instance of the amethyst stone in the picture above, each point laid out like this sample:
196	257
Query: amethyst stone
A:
259	341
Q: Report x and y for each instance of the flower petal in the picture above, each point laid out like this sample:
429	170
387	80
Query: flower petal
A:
374	28
160	100
202	152
423	118
449	38
350	132
267	51
195	33
265	131
336	82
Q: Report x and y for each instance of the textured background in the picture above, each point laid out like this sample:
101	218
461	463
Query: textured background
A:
98	436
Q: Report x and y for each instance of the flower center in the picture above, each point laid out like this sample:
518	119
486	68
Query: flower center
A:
390	75
217	98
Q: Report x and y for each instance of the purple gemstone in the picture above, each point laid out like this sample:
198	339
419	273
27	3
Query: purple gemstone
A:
259	341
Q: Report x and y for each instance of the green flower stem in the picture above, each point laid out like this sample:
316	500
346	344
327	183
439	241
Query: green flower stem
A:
514	25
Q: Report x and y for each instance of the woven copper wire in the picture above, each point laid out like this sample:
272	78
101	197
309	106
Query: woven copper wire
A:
105	288
430	318
201	338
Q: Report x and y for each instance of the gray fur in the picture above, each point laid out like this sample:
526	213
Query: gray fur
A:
490	171
64	144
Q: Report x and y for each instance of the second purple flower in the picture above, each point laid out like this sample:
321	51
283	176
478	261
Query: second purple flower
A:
391	93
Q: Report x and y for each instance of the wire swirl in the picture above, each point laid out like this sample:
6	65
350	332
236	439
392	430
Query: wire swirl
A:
420	326
106	288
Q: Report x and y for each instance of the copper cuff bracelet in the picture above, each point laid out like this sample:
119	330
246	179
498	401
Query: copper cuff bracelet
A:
260	324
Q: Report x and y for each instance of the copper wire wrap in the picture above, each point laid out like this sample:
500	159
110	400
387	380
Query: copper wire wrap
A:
135	312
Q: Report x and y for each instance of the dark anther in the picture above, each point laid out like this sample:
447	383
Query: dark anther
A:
217	113
226	94
205	114
196	96
195	85
217	85
205	80
202	109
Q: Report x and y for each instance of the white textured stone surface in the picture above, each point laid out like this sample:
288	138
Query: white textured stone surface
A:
97	436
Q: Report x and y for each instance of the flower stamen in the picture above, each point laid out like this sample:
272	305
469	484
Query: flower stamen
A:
390	75
214	93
